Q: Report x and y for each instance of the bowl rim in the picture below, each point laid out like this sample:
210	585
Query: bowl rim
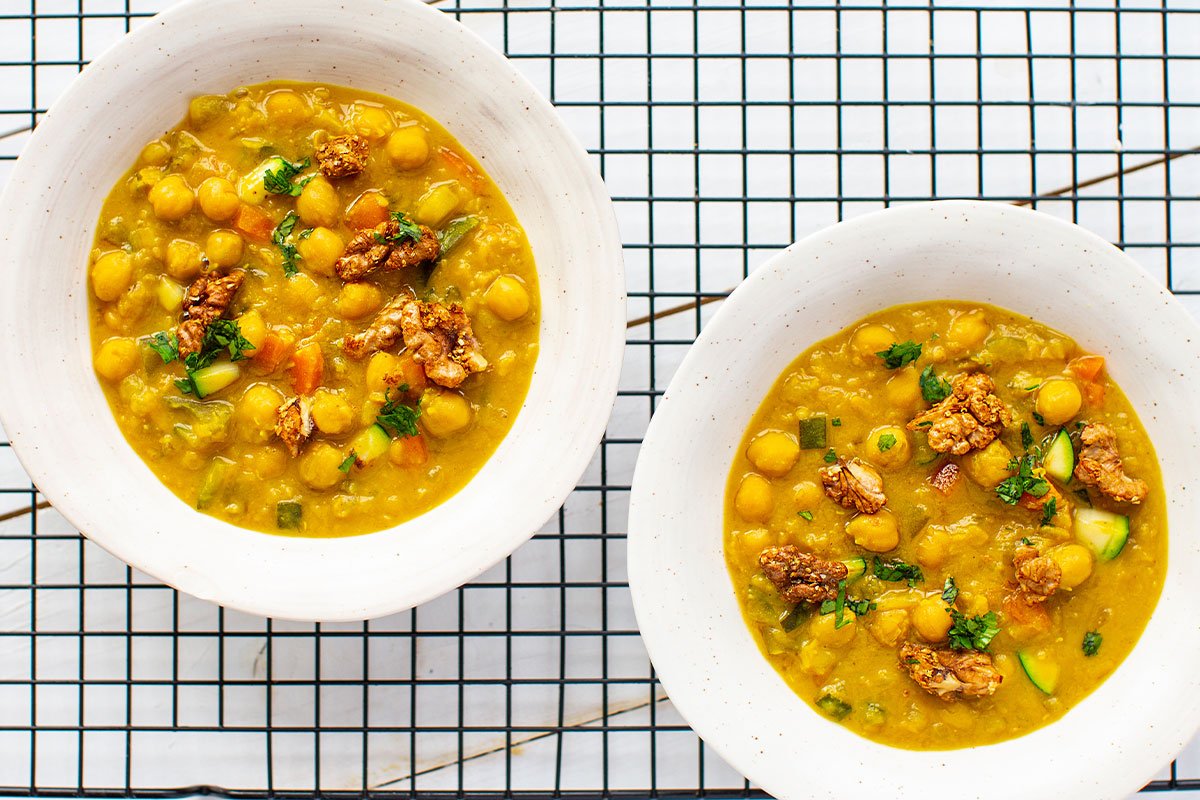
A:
717	709
604	353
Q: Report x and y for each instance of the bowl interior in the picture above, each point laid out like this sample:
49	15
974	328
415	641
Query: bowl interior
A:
1056	273
58	418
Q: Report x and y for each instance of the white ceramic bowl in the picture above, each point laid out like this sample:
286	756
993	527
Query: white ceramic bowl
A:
51	402
1059	274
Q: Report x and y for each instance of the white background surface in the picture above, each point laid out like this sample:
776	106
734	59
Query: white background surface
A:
722	174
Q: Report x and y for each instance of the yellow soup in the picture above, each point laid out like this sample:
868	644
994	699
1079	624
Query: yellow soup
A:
945	525
312	312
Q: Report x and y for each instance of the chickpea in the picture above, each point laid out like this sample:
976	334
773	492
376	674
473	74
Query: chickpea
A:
967	331
436	205
932	619
224	248
808	495
171	198
318	204
302	289
883	454
753	500
111	275
933	548
445	413
356	300
218	199
507	298
117	358
408	147
259	405
989	466
184	260
816	659
379	368
253	328
871	339
287	107
371	122
1058	400
267	462
822	629
155	153
1075	562
903	389
752	542
331	413
876	532
773	453
321	250
889	627
319	466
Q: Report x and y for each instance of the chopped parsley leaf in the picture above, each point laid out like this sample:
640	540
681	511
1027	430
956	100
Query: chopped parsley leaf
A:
886	442
397	418
222	335
408	230
912	660
836	422
348	463
806	515
827	607
1025	540
949	591
1091	643
1049	510
933	388
1026	436
1023	482
839	606
279	180
1039	419
165	344
972	633
898	570
1031	388
924	424
899	354
830	457
280	239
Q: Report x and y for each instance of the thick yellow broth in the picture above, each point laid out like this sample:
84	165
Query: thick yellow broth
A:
226	458
970	534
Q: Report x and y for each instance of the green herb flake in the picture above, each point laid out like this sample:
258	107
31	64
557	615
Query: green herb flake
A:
279	237
1039	419
934	338
397	418
949	591
839	606
899	354
1026	436
1091	643
972	633
898	570
1023	482
806	515
1031	388
886	442
1025	540
348	463
222	335
1049	510
165	344
830	457
933	388
279	180
836	422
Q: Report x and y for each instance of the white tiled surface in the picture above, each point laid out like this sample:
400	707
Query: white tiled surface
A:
662	112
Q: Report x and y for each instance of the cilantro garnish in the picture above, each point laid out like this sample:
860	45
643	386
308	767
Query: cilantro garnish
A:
886	442
165	344
1023	482
222	335
1049	510
397	418
836	422
805	515
972	633
838	607
949	591
1032	387
1026	436
1091	643
408	230
898	570
899	354
1039	419
933	388
280	239
348	463
279	180
830	457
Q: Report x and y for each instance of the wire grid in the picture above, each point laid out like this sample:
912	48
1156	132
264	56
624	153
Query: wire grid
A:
724	132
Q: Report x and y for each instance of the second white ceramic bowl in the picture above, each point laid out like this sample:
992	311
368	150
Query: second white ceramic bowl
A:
52	406
1107	746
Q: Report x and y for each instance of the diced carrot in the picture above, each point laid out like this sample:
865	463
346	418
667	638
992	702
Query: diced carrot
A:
308	368
275	349
1022	612
1086	367
410	451
253	223
945	480
1093	392
459	164
412	373
368	210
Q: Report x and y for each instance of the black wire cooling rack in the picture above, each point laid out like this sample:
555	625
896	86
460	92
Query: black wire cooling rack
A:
724	133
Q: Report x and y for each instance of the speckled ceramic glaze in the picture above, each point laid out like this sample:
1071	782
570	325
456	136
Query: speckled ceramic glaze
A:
1059	274
51	403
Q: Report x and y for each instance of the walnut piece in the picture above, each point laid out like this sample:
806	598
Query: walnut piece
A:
801	577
